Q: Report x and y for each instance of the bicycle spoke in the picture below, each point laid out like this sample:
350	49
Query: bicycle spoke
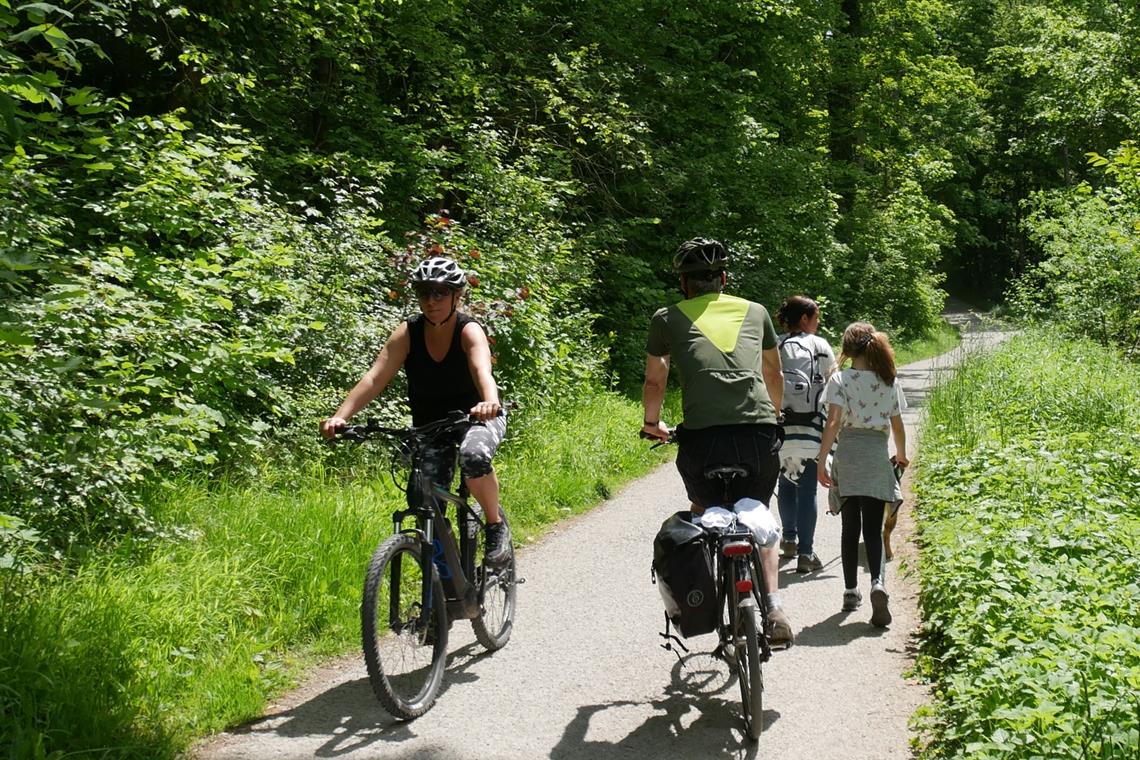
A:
404	650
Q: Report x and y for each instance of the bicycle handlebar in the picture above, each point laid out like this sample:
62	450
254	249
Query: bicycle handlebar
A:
427	431
671	439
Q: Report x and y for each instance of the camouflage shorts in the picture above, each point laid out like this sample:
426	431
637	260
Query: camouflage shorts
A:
476	449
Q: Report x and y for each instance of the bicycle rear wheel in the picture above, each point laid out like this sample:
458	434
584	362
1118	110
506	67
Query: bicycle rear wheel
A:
404	653
748	670
498	588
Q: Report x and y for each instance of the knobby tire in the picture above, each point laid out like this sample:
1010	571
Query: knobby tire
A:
405	666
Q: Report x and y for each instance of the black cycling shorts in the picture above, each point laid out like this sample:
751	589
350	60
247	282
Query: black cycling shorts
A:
754	447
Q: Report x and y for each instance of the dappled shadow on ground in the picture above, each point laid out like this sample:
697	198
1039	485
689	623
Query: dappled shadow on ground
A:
915	385
697	715
349	715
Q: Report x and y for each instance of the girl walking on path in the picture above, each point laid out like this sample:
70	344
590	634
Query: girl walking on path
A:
863	403
808	362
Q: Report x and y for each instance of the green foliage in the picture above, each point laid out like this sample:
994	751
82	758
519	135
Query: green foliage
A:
142	650
1030	567
906	119
1088	282
165	311
1059	78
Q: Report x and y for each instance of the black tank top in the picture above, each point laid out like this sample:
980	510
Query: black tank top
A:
437	388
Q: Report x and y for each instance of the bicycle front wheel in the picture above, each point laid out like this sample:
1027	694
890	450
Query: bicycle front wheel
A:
405	650
748	670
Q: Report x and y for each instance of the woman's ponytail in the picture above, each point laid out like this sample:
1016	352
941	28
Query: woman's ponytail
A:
881	357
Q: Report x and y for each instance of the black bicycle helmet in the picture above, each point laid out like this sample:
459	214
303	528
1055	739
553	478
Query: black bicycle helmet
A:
700	255
441	271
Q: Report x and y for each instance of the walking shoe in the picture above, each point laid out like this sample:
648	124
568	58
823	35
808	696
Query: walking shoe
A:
852	599
788	548
808	563
779	627
880	615
498	543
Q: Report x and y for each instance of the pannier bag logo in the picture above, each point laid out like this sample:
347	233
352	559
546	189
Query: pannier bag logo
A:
695	598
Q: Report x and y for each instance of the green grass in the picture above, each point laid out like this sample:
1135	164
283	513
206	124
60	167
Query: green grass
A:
944	338
141	651
1030	565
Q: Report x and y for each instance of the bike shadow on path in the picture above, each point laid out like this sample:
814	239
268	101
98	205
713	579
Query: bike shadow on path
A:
349	715
698	715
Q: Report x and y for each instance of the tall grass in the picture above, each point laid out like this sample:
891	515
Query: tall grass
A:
140	651
1029	517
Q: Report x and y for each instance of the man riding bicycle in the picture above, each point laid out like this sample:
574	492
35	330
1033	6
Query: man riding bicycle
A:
731	386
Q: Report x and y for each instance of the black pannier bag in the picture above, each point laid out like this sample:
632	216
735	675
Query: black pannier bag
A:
683	563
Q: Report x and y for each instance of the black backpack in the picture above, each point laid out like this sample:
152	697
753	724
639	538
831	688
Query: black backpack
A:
683	564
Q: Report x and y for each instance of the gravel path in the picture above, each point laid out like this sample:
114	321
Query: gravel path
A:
584	676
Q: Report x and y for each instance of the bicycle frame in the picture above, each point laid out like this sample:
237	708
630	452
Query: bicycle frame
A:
738	575
454	561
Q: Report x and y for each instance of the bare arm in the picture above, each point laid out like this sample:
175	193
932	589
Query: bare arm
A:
478	351
898	430
375	380
830	432
653	395
772	370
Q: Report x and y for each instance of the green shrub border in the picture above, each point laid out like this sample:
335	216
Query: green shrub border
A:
1030	559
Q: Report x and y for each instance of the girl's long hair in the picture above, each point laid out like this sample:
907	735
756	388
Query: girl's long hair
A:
862	339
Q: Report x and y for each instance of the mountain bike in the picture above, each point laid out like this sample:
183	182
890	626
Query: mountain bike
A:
742	595
421	578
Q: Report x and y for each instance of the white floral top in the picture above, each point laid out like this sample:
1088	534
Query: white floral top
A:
867	401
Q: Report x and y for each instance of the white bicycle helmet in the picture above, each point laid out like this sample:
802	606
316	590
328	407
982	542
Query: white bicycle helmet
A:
441	271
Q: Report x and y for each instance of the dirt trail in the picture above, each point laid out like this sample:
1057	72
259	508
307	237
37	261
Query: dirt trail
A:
584	677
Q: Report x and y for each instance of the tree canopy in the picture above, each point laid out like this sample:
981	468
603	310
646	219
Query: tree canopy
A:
209	208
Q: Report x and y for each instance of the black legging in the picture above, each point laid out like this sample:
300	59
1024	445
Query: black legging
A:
861	513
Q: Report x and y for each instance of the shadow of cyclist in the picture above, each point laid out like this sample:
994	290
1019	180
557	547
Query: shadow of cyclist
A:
699	715
348	715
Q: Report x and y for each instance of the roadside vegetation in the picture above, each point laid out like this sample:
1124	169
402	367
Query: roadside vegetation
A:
1030	562
208	210
145	648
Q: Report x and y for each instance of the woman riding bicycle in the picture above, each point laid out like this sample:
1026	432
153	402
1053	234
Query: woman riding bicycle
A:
447	361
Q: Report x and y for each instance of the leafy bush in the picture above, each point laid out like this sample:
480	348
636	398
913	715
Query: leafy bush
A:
1031	555
1086	284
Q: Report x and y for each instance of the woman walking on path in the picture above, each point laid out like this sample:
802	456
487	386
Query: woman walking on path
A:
863	402
807	361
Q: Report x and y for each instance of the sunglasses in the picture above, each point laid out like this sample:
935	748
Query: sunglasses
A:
433	294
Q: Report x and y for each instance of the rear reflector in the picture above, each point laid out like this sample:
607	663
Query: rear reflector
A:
737	548
744	586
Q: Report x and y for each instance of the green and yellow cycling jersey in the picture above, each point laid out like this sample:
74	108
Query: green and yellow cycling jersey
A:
716	342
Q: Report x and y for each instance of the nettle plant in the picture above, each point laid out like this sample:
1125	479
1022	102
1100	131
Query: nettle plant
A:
1030	554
